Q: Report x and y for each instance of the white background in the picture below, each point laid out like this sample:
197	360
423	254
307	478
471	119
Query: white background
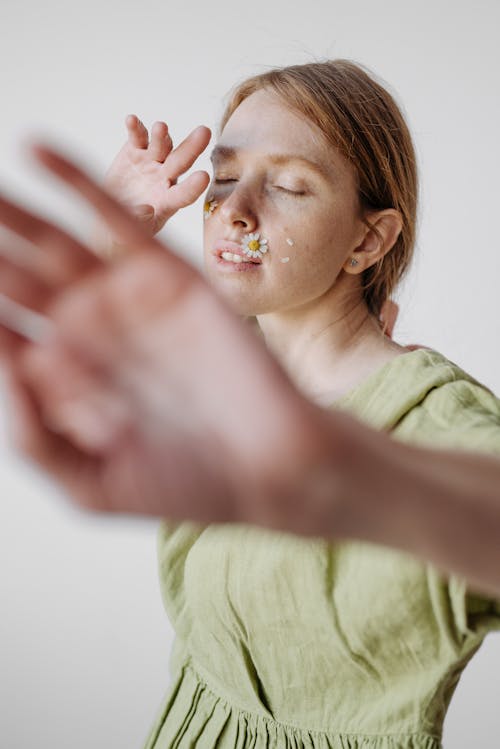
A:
83	639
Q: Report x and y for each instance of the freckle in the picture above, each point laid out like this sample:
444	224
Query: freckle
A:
285	259
289	241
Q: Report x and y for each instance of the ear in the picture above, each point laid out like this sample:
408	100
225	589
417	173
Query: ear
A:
381	230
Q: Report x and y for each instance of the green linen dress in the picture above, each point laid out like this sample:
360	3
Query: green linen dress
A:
292	643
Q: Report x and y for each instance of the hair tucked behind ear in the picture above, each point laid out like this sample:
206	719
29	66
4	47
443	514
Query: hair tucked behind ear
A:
359	117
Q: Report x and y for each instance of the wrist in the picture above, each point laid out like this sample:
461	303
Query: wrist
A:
311	485
108	246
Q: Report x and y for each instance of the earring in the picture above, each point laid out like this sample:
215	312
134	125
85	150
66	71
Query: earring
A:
353	261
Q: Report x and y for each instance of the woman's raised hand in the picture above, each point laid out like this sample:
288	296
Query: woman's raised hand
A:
144	175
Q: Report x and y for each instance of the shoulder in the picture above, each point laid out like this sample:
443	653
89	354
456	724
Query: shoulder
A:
454	410
422	392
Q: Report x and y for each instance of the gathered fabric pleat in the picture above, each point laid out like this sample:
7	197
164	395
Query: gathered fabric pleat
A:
287	642
194	717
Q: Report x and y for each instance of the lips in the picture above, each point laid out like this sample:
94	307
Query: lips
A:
227	248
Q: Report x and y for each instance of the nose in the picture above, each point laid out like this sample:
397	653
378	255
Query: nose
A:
236	209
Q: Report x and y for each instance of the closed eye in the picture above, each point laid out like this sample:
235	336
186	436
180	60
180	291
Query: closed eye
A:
224	181
290	192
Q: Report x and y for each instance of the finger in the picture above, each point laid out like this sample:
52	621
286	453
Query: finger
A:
21	294
65	259
22	285
116	216
183	157
28	431
76	395
183	194
74	468
160	144
119	220
10	339
106	311
137	132
24	323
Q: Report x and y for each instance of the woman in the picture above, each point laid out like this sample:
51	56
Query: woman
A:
310	222
284	641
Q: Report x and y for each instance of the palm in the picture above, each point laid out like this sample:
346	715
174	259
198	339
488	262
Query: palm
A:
152	396
136	178
153	428
146	171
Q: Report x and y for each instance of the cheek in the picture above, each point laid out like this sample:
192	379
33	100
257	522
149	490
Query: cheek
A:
285	247
303	261
294	248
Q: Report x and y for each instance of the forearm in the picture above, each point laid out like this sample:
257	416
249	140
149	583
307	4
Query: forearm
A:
441	506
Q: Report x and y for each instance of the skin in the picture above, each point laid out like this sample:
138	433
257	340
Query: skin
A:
113	407
321	212
275	174
87	404
145	173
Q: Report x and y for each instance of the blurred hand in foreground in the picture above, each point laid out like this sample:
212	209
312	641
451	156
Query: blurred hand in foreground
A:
148	395
143	393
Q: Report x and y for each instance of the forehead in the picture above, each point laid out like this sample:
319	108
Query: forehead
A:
263	124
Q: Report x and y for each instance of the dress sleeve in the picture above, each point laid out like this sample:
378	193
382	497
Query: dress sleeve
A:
461	415
175	541
483	613
474	615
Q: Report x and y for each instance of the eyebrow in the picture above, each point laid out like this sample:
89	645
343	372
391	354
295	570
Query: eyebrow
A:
227	153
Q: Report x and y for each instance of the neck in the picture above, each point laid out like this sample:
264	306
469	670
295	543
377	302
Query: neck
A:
329	345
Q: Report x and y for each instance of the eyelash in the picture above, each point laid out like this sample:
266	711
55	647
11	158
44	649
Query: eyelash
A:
296	193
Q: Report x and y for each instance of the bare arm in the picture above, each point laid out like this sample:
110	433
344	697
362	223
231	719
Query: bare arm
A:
442	506
149	396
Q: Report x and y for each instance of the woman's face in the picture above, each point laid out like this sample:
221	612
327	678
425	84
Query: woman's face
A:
275	175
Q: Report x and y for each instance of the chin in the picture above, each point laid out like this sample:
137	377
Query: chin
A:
248	299
240	306
241	300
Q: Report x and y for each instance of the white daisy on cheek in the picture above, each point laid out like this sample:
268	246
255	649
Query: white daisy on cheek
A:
254	245
208	208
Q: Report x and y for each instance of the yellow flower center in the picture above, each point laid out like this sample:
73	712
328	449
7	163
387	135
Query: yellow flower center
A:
254	245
